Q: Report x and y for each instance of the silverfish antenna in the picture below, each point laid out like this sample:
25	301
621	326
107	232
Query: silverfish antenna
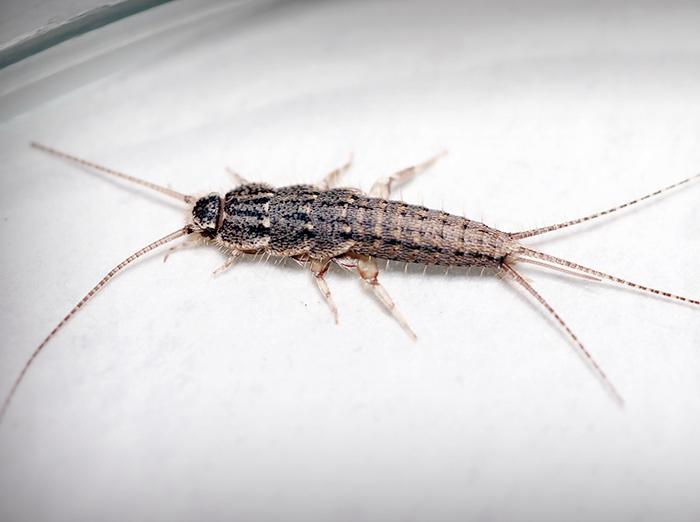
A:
163	190
133	257
558	226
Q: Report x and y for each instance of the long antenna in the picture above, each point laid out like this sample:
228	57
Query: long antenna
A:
163	190
551	228
582	349
133	257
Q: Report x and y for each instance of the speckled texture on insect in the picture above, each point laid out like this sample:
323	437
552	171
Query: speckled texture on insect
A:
303	220
319	225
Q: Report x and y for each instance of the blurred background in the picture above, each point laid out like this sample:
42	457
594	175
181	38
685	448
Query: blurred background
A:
177	396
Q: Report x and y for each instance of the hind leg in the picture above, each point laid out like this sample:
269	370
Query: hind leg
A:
367	269
382	187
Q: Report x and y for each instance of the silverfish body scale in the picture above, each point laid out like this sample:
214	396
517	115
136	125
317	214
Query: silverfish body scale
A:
319	225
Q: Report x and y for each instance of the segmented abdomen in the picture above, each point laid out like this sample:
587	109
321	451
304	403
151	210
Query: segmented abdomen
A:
401	232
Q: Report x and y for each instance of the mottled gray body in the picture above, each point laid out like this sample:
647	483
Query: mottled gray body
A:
303	220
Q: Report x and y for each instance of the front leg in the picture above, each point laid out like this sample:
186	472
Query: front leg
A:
188	243
232	258
237	177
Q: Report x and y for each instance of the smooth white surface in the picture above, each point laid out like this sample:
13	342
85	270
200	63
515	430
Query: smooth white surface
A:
176	396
